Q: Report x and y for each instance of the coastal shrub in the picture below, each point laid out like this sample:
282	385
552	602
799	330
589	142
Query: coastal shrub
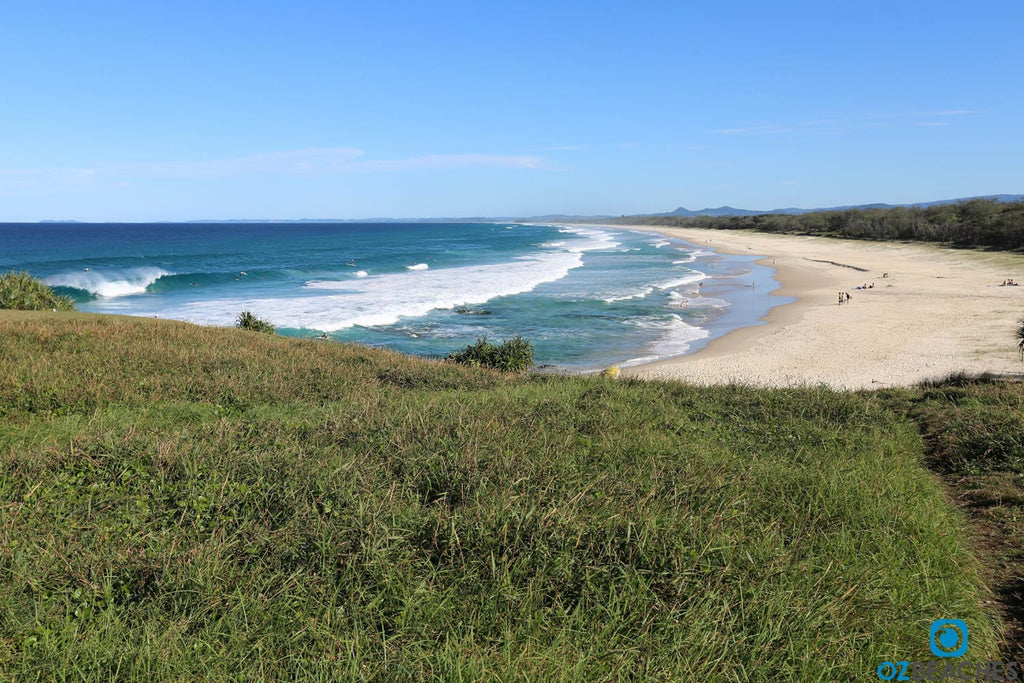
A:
514	355
1020	339
22	292
247	320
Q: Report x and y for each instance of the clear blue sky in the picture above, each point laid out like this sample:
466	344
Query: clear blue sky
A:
182	110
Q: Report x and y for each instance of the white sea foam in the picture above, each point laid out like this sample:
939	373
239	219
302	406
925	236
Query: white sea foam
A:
675	339
361	273
644	290
692	255
418	266
658	244
593	239
109	284
708	302
695	276
384	299
640	294
697	302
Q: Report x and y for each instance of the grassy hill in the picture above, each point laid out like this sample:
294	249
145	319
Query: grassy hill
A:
180	503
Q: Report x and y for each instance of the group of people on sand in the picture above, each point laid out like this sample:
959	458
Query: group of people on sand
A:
1008	283
844	297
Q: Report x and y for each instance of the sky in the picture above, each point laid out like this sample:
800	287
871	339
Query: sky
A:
165	111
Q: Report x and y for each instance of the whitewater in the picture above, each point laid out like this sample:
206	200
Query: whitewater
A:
585	296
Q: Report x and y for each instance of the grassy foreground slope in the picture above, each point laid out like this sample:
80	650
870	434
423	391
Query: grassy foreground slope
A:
184	503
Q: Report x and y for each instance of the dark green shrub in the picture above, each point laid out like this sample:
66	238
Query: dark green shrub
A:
482	354
22	292
247	320
515	355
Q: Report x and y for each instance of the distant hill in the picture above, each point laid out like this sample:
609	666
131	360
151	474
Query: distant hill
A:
553	218
730	211
993	222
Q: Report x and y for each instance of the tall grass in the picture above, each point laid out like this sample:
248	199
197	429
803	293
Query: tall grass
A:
197	503
20	291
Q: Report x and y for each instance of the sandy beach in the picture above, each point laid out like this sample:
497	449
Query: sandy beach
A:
932	311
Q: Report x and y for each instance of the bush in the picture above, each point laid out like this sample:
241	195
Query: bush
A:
22	292
515	355
247	320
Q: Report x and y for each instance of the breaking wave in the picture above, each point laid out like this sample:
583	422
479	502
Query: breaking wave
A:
109	284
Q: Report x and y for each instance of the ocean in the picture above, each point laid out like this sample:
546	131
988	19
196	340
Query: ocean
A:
586	297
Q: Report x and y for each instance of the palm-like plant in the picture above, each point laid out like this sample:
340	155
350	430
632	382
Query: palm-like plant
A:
22	292
247	320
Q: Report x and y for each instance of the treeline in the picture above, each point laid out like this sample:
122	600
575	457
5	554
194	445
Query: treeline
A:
973	223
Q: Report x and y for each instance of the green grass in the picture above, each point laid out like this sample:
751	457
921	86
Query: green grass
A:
181	503
20	291
973	431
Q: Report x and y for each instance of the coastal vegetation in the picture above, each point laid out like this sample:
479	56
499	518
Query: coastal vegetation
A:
190	503
247	320
20	291
973	223
512	355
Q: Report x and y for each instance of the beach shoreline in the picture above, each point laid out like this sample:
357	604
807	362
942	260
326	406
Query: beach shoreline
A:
928	312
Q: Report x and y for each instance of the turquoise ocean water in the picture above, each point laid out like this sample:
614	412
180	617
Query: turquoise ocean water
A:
585	297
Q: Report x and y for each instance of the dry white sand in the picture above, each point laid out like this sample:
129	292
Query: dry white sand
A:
938	311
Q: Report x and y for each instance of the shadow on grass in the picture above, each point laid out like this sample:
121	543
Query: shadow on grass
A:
972	427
